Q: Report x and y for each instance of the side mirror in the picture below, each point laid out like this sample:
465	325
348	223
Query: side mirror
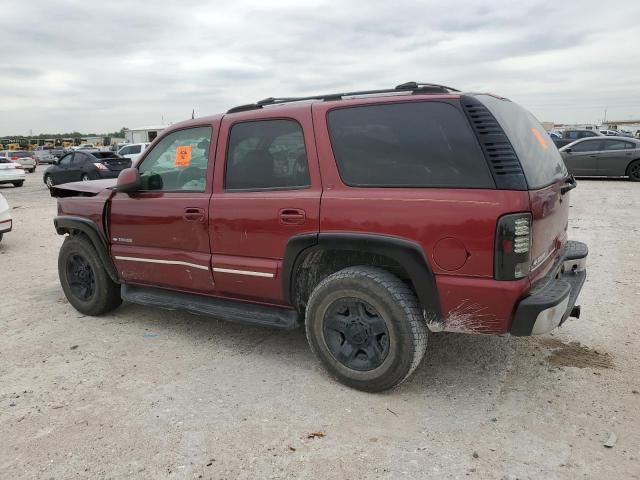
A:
128	181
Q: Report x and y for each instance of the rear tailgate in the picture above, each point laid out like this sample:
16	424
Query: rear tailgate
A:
545	175
550	212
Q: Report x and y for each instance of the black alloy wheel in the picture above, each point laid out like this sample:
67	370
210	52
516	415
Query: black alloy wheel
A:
82	280
356	335
634	171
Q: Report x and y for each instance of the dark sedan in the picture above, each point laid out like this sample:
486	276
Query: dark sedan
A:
84	166
604	157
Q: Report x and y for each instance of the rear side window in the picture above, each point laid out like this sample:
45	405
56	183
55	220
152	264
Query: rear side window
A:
417	144
266	154
614	144
540	159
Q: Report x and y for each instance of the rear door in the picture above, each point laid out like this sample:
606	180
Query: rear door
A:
583	157
614	157
267	191
160	235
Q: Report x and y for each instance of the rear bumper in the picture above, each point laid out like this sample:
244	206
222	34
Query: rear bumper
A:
19	176
551	303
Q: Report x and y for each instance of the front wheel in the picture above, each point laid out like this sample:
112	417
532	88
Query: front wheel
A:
85	177
634	171
48	181
84	280
18	184
366	327
32	170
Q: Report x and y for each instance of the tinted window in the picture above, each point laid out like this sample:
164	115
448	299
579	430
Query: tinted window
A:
614	145
417	144
572	135
135	149
540	159
630	145
178	162
586	146
266	154
125	151
66	160
79	159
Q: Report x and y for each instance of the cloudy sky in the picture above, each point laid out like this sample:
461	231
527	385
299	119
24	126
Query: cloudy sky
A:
98	66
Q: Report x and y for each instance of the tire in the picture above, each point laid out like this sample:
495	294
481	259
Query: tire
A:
32	170
48	181
85	178
85	282
372	321
633	171
18	184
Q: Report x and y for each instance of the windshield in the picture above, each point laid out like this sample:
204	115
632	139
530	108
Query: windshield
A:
540	159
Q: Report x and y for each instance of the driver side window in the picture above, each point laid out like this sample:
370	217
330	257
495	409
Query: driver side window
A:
66	160
178	163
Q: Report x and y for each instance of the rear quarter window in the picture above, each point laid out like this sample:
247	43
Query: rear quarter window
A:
540	159
413	144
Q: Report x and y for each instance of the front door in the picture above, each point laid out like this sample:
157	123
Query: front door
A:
267	190
63	173
582	159
160	235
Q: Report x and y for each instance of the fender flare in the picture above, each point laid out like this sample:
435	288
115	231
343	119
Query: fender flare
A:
70	224
407	253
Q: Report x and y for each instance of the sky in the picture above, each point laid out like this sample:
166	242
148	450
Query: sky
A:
96	67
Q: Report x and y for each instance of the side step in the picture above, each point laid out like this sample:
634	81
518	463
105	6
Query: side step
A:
214	307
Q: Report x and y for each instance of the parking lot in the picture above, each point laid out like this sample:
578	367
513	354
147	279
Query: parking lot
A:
147	393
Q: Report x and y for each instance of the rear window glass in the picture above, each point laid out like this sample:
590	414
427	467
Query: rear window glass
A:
102	155
540	159
417	144
19	154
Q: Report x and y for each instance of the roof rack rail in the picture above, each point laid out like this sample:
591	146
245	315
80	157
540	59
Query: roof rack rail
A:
415	87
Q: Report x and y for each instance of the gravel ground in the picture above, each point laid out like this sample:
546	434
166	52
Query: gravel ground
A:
147	393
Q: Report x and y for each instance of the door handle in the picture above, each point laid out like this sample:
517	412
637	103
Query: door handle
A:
193	214
292	216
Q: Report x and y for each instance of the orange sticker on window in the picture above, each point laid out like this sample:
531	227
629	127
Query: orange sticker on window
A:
183	156
540	138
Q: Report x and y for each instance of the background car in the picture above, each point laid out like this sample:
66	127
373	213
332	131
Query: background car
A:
58	152
6	222
83	166
43	157
569	136
603	156
11	172
609	133
24	158
133	151
84	146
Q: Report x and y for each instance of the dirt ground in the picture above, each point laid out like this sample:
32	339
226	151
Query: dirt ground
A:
148	393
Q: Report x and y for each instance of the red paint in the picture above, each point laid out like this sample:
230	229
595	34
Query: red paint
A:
248	231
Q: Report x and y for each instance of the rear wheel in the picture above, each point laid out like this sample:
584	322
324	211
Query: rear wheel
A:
32	170
85	177
84	280
18	184
366	327
633	171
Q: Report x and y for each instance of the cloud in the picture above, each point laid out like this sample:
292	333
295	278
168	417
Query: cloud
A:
81	66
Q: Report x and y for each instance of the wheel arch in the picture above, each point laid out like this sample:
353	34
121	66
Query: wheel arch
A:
73	225
334	251
626	170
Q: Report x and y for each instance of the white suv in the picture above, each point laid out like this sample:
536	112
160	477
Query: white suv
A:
133	151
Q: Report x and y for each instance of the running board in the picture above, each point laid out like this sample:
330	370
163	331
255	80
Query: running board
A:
214	307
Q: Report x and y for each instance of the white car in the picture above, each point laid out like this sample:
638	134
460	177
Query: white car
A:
6	222
133	151
24	158
11	172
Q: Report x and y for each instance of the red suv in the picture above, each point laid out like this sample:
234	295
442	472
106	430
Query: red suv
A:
371	217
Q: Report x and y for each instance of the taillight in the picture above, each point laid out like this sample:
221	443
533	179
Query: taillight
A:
100	166
513	247
15	158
